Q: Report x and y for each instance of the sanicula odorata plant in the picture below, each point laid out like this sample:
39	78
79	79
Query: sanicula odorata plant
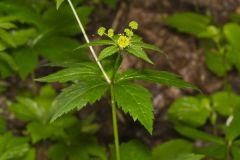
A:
92	80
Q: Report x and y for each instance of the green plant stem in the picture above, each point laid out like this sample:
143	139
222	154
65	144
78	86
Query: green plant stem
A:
115	125
87	40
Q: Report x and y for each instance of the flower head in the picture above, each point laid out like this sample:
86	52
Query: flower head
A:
128	32
101	31
123	41
133	25
110	33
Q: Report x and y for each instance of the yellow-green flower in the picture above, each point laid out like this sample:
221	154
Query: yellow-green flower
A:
128	32
110	33
123	41
101	31
133	25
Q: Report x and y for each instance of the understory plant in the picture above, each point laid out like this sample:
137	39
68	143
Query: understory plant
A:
92	80
222	111
220	42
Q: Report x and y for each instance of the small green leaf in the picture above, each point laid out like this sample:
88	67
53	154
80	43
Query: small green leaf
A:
8	60
217	63
106	52
192	23
232	33
96	43
82	71
77	96
233	129
6	37
138	52
135	100
181	111
172	149
7	25
155	76
12	147
26	109
134	150
198	135
225	102
22	56
59	2
147	46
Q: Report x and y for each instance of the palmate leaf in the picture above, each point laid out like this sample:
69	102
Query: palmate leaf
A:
135	100
138	52
161	77
79	72
77	96
106	52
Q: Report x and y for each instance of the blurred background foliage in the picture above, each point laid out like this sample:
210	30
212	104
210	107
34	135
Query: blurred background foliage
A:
201	41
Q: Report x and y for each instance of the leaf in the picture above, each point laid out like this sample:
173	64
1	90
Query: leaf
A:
235	152
42	131
8	60
147	46
6	37
106	52
96	43
198	135
233	130
7	25
233	56
59	2
181	111
77	96
188	22
62	22
225	102
213	151
138	52
56	49
155	76
232	33
26	109
217	63
190	157
21	11
134	150
23	36
172	149
135	100
84	71
22	56
85	148
12	147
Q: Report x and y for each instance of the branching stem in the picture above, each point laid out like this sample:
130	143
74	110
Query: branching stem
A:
87	40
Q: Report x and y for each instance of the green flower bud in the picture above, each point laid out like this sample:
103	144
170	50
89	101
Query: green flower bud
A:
101	31
128	32
133	25
110	33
